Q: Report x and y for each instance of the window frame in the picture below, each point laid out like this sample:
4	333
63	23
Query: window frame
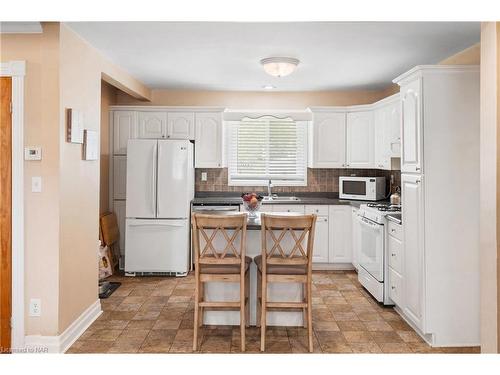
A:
264	181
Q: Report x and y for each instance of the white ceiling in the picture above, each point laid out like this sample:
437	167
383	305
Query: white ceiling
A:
225	56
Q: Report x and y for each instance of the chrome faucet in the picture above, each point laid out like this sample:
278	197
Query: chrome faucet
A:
269	190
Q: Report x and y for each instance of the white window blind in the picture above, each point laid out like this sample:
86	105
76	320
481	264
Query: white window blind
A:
267	148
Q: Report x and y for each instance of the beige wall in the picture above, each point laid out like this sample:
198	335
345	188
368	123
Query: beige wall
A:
469	56
257	99
488	187
81	70
108	97
61	226
41	128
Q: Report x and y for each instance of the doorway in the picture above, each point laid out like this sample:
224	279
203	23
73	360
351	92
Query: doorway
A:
5	213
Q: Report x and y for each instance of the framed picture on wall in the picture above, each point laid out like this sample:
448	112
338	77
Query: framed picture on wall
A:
90	145
74	125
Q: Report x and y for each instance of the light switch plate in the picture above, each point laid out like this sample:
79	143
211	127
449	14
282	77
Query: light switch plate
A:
33	153
36	184
203	176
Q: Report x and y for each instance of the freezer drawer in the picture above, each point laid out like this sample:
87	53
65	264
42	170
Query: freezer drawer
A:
157	246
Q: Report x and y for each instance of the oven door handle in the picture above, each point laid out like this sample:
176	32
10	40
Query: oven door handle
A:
369	223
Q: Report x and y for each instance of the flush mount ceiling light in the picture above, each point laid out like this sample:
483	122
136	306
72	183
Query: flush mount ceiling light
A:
279	66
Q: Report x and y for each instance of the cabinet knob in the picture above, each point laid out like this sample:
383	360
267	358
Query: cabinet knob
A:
393	230
393	287
417	168
393	255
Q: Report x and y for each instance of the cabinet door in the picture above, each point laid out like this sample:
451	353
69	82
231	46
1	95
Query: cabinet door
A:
354	237
340	218
297	208
411	127
360	142
119	177
119	209
328	140
413	245
320	249
124	128
181	125
208	140
394	120
152	125
382	138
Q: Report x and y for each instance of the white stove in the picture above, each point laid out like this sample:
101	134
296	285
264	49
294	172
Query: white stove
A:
371	226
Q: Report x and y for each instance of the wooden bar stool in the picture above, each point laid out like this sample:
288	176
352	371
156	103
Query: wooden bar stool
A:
221	265
280	263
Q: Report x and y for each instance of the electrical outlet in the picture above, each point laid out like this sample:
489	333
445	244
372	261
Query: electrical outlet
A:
203	176
35	307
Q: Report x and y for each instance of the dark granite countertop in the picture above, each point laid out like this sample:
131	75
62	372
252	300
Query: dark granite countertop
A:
221	198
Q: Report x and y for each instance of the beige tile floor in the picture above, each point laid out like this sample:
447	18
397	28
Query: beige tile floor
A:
155	315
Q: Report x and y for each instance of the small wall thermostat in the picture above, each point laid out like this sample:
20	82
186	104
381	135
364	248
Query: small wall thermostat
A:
33	153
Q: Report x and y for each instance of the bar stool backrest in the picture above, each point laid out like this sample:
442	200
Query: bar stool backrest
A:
277	249
210	231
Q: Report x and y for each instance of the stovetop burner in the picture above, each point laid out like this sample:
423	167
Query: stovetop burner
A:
385	207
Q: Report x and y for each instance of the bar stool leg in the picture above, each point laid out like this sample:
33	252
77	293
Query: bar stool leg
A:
242	312
304	309
201	298
259	298
309	314
247	299
263	314
196	313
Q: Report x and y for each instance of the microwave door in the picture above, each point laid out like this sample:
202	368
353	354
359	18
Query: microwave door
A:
354	189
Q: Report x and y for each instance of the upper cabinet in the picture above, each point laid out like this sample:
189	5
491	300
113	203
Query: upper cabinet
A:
152	125
360	136
411	127
387	139
124	128
208	140
180	125
327	140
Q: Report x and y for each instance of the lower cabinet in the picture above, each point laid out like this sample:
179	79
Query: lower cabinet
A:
354	237
340	246
321	240
119	210
412	201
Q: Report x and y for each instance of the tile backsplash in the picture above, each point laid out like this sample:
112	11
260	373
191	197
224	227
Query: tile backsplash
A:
318	180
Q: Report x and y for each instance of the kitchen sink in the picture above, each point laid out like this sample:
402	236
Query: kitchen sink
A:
281	199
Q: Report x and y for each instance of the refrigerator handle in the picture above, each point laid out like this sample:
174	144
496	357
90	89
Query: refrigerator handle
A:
153	185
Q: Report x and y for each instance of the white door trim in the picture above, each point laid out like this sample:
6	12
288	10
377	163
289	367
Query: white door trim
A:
17	70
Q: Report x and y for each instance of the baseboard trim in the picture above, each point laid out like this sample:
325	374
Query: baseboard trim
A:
333	267
61	343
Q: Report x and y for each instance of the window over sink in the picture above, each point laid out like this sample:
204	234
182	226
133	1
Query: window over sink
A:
267	148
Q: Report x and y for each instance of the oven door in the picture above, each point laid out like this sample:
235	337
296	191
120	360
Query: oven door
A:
370	247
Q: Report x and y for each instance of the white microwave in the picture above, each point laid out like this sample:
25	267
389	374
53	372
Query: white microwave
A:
362	188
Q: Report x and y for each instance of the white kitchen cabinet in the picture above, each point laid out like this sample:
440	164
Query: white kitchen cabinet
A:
354	237
340	242
413	237
208	140
119	209
387	133
119	177
153	125
321	240
124	128
411	127
360	140
180	125
298	208
394	120
327	140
